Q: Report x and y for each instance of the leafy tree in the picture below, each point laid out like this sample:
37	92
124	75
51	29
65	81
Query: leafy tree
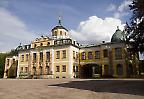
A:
136	28
2	63
13	52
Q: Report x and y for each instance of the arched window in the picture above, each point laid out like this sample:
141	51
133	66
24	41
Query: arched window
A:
119	69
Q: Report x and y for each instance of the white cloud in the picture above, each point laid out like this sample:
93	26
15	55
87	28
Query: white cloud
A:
119	14
124	5
111	7
96	29
12	31
122	9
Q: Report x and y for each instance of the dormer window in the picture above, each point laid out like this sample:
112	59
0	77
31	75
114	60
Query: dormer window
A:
41	44
35	45
48	43
55	33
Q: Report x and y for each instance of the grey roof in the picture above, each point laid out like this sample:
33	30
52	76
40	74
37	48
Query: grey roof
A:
59	27
118	36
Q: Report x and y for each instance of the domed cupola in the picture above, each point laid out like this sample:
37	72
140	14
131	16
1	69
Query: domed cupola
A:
59	32
118	36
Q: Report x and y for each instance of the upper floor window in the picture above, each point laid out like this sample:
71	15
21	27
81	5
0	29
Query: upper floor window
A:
27	57
60	32
73	54
57	54
41	56
48	56
22	58
97	54
90	56
34	57
118	53
57	69
64	68
77	56
64	53
83	55
105	53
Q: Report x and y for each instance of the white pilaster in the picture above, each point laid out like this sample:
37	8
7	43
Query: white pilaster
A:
70	62
18	67
52	60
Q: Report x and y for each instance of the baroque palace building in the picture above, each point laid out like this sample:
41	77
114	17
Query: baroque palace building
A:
62	57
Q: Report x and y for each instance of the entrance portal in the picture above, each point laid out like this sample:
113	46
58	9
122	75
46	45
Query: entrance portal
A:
90	71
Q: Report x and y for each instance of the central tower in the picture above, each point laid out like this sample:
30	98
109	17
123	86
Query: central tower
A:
60	32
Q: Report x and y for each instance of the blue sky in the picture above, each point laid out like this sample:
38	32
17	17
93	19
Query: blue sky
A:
92	20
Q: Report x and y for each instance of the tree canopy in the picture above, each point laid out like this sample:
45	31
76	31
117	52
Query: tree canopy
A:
136	28
2	63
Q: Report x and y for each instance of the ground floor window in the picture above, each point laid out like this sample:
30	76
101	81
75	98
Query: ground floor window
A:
47	70
119	69
40	70
34	71
96	69
26	69
64	68
21	69
106	69
130	69
76	68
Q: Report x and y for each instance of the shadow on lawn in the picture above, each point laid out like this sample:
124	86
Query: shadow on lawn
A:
135	87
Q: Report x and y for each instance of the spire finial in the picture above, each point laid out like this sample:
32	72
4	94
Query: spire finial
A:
59	20
117	27
20	44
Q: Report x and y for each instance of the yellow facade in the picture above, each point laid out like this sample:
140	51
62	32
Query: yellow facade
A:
62	57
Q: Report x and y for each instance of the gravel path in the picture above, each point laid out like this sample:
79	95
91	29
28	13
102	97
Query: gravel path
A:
71	89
